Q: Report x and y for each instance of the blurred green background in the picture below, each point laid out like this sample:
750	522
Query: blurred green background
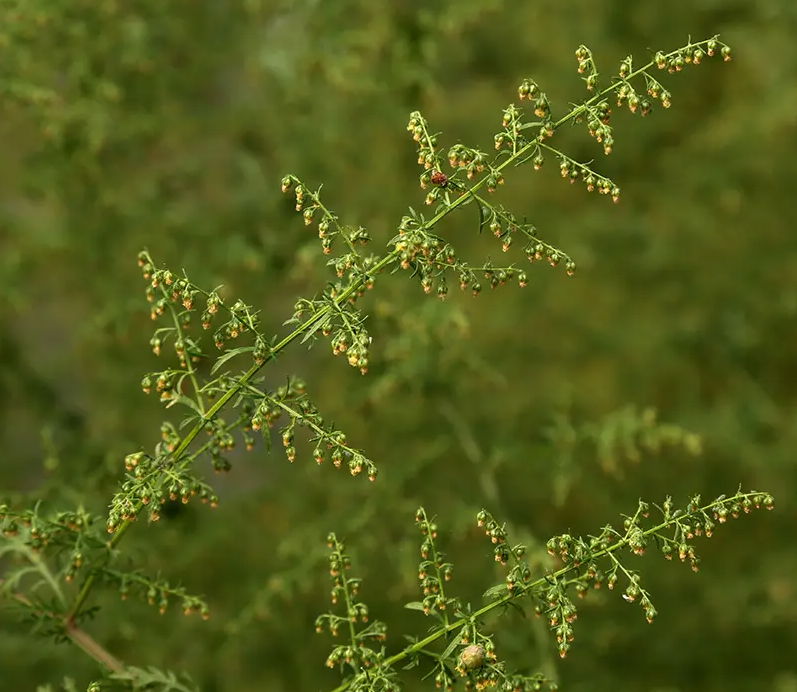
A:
169	126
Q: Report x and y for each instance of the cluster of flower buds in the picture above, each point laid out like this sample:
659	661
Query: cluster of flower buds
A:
627	95
734	507
431	256
164	382
511	117
344	264
147	487
586	67
179	290
353	340
356	653
313	211
572	170
170	438
692	55
499	276
222	440
172	288
472	161
592	576
597	118
530	90
529	683
242	320
294	392
292	399
511	137
344	325
519	572
443	680
561	613
494	179
156	592
212	305
538	250
163	289
469	277
433	569
569	549
418	248
428	155
687	524
358	657
37	532
633	592
697	522
503	231
304	308
504	139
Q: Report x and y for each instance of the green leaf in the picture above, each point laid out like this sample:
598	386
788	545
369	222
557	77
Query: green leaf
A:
151	677
221	360
312	330
495	591
452	645
185	401
483	219
414	605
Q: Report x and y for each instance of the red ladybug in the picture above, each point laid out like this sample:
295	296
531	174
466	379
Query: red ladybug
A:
439	178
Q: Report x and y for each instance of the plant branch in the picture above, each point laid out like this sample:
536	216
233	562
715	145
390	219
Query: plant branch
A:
357	283
547	578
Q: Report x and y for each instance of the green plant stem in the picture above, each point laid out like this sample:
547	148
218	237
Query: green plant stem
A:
44	570
317	429
78	636
83	594
90	646
349	621
189	366
355	286
435	563
341	231
537	583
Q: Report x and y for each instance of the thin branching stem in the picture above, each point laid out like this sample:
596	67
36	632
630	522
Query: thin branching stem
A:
544	580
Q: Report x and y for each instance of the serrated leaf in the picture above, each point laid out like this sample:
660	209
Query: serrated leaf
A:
144	677
221	360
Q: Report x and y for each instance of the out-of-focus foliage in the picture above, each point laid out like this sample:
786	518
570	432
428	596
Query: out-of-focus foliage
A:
169	126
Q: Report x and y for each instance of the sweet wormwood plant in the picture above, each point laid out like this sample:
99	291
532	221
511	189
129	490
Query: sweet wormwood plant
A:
57	560
468	652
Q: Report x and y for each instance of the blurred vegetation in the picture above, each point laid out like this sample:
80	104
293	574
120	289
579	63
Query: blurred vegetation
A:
169	125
